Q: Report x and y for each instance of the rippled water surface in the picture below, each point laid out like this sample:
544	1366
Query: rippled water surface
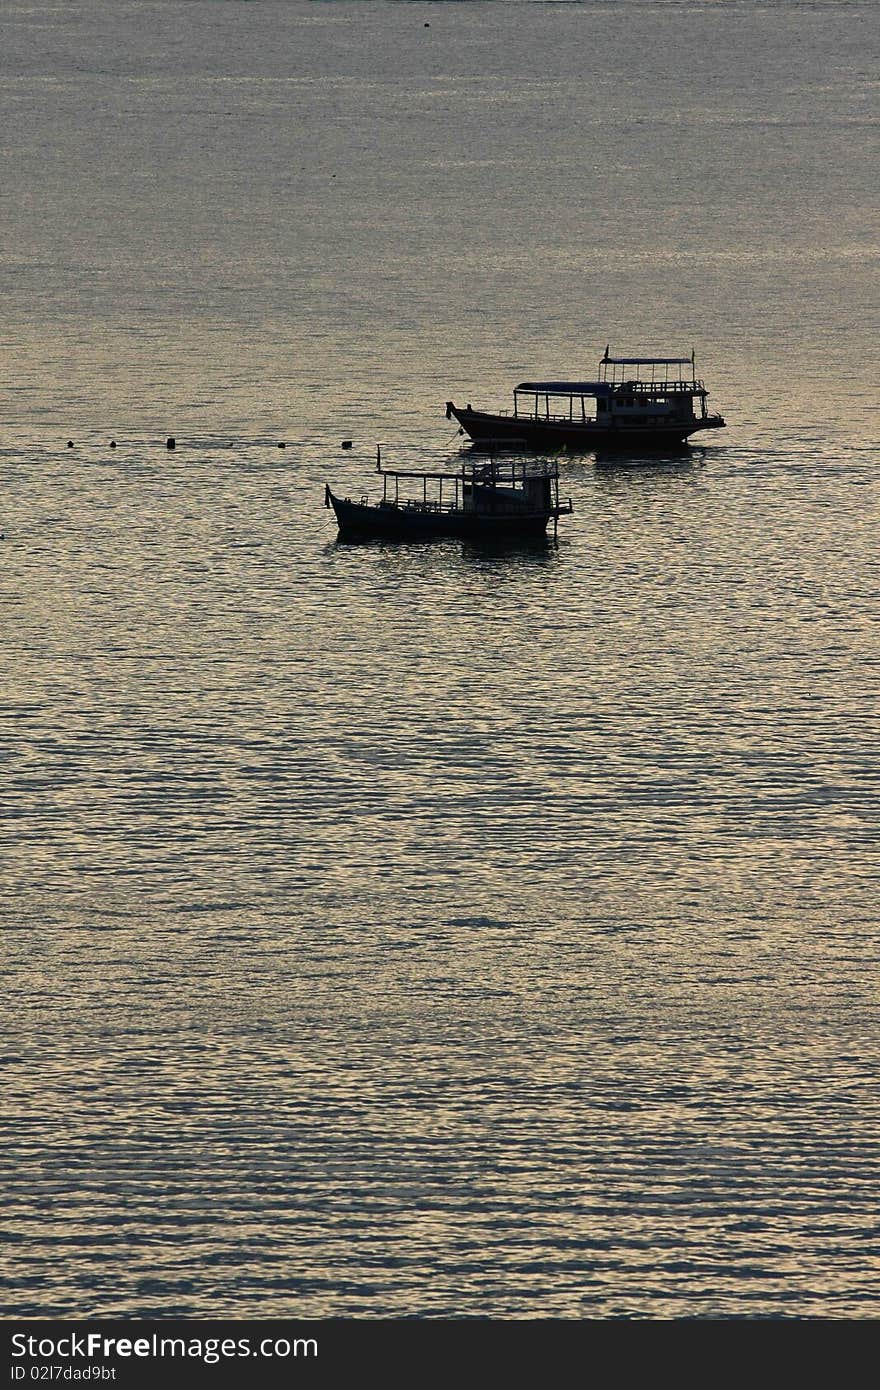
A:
435	930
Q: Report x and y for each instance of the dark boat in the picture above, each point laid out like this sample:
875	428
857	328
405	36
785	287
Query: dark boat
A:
637	403
480	500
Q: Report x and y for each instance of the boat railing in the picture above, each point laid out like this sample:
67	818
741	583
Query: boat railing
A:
691	387
502	471
694	386
506	471
499	504
554	418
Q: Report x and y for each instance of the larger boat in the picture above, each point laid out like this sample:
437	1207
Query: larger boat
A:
500	499
636	403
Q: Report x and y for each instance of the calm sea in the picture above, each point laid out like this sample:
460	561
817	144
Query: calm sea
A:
421	930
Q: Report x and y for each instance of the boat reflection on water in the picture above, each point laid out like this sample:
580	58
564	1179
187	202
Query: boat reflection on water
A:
525	553
673	455
680	457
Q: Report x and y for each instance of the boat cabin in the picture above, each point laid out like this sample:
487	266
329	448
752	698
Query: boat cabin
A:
500	486
635	391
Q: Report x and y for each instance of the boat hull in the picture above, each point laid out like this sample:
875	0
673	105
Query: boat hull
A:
521	431
363	521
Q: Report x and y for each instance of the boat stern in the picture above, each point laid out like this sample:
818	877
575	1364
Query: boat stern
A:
710	422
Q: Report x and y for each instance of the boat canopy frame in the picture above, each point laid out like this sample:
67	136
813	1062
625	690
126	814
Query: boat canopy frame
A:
676	381
666	379
502	480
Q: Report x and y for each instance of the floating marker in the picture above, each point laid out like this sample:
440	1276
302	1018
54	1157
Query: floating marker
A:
282	446
70	443
112	443
171	442
346	443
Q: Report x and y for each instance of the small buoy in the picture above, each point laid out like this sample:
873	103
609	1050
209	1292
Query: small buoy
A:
112	443
427	25
346	443
282	445
70	443
170	442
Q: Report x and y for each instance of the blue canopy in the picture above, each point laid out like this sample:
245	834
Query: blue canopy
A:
566	388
